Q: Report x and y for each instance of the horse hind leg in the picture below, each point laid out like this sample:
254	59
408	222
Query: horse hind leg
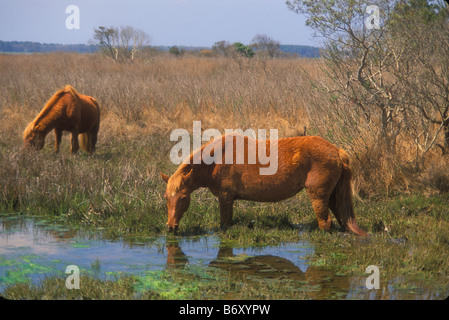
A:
319	194
321	208
93	136
89	140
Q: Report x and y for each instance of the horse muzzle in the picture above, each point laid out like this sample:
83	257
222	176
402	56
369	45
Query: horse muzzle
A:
172	228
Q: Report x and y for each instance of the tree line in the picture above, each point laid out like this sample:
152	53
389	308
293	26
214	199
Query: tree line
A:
126	43
30	47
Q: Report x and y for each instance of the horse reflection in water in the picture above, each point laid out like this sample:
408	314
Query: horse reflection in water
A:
322	282
315	282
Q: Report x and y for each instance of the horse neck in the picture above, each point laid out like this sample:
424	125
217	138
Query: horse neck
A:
45	124
46	120
199	175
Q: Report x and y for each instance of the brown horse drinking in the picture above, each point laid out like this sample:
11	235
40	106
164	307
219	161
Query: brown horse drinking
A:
69	111
302	162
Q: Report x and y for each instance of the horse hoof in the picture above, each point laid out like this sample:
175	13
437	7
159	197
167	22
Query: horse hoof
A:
172	229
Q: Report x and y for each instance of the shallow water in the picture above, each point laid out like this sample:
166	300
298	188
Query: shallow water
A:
32	248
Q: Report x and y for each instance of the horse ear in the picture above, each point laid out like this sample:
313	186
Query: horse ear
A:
187	175
164	177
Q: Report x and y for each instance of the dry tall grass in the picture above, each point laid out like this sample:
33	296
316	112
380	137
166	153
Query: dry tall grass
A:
153	96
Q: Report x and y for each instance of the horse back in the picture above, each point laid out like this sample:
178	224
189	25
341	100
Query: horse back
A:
299	161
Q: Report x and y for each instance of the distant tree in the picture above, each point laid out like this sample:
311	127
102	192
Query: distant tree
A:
244	50
223	48
266	45
107	38
175	50
120	44
132	40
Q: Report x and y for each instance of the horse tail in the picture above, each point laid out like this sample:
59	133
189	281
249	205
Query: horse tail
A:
341	202
88	140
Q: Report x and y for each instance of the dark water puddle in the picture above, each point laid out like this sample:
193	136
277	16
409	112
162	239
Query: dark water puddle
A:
33	248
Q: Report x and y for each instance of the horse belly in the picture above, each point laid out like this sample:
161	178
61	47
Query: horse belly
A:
269	188
267	196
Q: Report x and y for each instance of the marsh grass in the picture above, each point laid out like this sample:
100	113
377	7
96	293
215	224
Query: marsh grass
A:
54	288
407	237
402	202
159	286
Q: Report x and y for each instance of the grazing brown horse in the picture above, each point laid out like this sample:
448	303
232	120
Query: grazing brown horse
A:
69	111
303	162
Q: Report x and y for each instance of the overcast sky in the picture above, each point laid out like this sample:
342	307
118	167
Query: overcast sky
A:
168	22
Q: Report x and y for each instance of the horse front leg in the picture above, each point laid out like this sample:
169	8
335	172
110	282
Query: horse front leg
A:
225	212
58	136
75	145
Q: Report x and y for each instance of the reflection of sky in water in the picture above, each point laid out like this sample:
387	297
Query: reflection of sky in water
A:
79	250
15	240
33	248
47	244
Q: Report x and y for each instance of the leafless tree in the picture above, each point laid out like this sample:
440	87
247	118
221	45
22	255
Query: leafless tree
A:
120	44
223	48
427	43
266	45
395	75
359	60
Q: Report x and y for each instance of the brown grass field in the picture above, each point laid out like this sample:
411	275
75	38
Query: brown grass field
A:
157	94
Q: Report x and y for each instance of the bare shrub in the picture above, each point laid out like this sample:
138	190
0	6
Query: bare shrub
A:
436	174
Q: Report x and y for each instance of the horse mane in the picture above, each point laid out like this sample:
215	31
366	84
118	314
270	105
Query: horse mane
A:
176	179
49	105
174	183
187	164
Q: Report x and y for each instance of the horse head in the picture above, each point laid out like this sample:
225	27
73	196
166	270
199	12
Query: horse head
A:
177	195
33	138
